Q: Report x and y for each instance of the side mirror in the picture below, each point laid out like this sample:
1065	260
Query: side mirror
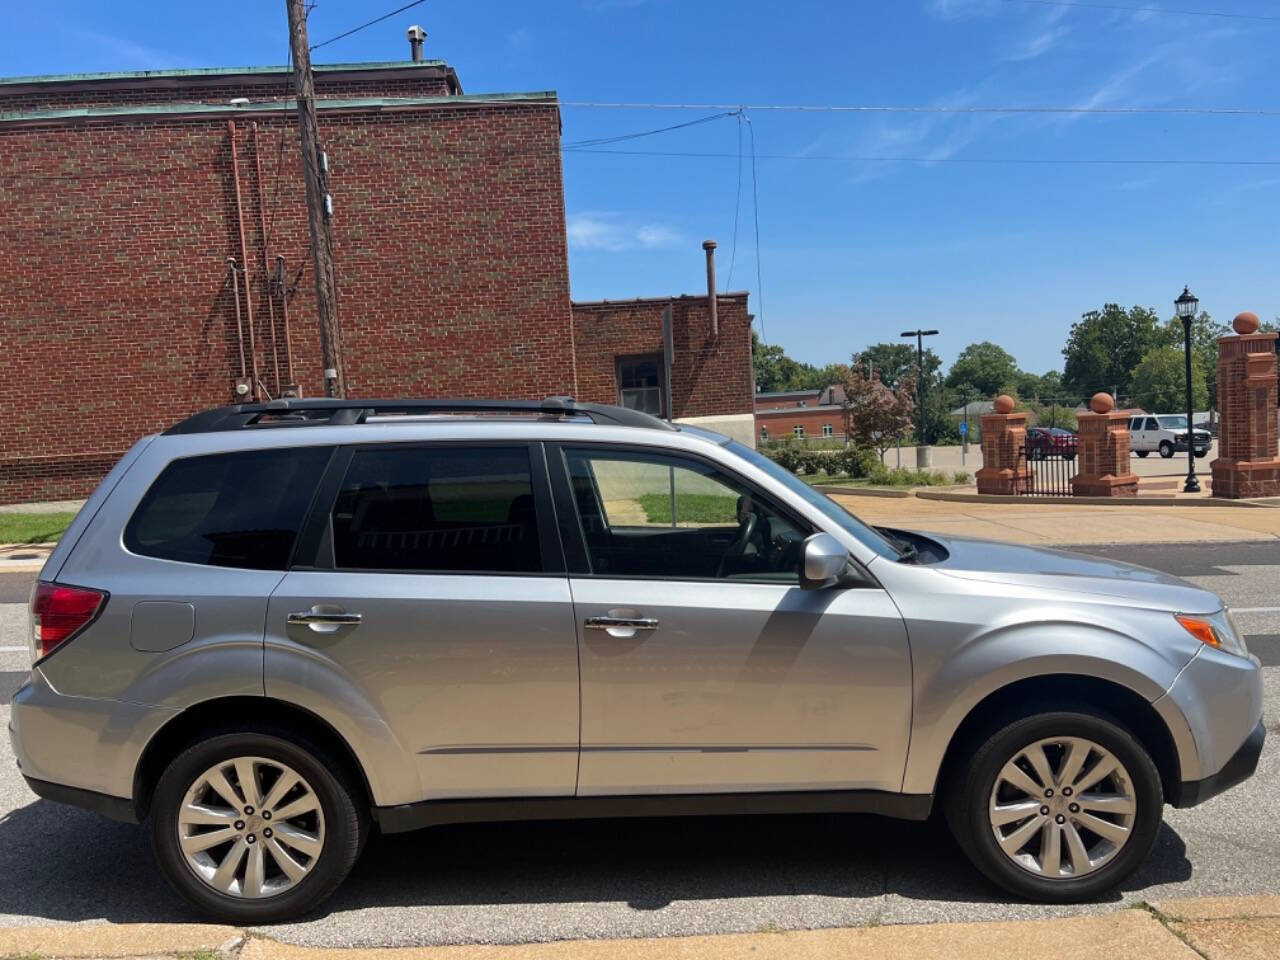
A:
824	561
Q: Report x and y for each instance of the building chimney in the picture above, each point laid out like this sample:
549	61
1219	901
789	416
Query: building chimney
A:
416	37
710	247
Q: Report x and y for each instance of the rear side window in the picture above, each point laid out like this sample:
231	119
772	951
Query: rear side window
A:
228	509
437	509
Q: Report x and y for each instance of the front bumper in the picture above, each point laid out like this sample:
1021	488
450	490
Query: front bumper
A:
1201	446
1238	769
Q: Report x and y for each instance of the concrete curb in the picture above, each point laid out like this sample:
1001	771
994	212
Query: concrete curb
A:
830	488
1160	931
1090	501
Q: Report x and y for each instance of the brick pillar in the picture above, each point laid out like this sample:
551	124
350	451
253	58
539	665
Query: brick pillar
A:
1248	464
1103	448
1004	435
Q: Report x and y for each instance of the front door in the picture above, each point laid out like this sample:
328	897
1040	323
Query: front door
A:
436	604
705	667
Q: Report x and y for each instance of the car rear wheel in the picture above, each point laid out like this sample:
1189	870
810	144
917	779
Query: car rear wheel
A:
1057	807
1142	453
1166	449
255	827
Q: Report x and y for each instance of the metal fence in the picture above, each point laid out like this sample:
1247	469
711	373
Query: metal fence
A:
1048	472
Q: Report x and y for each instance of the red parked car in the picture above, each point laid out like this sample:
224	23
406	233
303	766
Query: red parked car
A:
1043	442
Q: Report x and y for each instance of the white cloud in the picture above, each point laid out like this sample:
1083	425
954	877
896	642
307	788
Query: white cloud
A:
1038	45
130	55
614	233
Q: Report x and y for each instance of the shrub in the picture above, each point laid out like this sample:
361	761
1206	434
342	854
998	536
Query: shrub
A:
961	476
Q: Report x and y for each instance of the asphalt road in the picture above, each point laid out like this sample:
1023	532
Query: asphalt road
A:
546	881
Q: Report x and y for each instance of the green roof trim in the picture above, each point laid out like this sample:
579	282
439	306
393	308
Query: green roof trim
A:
199	72
275	107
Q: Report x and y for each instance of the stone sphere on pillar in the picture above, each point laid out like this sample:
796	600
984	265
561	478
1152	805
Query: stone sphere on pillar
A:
1004	403
1102	403
1246	323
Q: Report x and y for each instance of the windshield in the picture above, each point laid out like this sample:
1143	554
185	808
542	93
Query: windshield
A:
846	521
1173	423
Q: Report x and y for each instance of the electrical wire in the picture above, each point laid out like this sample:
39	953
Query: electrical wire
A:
1179	13
925	108
1068	161
601	141
347	33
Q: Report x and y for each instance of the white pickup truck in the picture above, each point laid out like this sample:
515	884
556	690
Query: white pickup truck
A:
1165	434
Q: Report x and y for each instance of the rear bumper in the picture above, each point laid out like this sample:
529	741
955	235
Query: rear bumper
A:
117	808
1237	769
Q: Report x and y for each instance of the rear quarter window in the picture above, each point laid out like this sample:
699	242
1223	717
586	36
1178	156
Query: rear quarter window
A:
239	509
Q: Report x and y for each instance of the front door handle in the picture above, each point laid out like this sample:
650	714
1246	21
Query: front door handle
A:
609	623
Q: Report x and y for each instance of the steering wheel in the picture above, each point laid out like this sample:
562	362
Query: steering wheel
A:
746	529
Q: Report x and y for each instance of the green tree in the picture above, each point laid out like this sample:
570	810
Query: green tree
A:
1159	382
1105	346
776	371
894	362
986	367
1205	332
1051	386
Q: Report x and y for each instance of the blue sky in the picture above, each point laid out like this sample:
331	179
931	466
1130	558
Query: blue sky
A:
853	250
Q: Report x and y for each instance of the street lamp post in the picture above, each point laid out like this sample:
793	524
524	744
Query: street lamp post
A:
1188	306
921	441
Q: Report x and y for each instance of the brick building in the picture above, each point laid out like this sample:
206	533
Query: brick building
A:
799	415
124	196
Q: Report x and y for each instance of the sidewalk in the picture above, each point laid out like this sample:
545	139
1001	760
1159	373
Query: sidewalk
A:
1048	523
1238	928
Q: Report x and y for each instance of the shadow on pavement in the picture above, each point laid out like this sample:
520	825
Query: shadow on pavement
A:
67	864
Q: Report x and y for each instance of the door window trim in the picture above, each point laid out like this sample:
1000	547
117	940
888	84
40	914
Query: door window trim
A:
314	546
574	537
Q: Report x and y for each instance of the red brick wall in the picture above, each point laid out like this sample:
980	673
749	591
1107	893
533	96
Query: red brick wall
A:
116	312
782	422
709	377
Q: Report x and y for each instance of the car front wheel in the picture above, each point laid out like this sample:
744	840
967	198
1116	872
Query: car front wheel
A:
1057	807
255	827
1166	449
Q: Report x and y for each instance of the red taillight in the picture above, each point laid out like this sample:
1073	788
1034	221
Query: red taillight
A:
58	613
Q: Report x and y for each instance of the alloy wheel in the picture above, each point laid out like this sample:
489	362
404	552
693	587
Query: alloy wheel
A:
251	827
1062	808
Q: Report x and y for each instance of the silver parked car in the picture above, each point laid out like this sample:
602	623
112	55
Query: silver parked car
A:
275	627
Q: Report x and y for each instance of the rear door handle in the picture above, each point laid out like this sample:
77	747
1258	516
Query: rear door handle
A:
319	620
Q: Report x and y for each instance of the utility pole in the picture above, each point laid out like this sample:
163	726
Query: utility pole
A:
335	384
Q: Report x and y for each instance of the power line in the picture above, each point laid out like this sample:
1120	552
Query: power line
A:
1116	6
601	141
347	33
922	108
1083	161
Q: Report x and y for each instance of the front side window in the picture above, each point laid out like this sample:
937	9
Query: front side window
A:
437	509
1151	424
651	515
640	384
228	509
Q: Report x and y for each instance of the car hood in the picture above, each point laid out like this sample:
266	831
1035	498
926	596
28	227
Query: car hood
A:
1038	567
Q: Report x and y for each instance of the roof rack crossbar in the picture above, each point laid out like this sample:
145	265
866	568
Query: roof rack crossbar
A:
335	412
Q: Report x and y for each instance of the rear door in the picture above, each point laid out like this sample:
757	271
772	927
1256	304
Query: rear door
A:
705	667
431	594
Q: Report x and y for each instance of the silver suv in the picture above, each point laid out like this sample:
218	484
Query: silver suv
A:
273	628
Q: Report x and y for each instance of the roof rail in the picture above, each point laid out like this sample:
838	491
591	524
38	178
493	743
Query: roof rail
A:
334	412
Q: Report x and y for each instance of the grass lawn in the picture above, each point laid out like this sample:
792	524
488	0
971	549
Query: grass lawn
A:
33	527
690	508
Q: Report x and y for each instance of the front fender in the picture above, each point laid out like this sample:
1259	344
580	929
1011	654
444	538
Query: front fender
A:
947	690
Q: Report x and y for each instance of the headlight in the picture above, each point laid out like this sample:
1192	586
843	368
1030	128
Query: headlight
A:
1217	630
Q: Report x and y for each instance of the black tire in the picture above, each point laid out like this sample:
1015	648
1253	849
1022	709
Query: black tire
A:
345	820
1142	453
1166	449
969	792
1201	454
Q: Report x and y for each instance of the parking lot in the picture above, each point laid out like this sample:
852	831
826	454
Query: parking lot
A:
526	882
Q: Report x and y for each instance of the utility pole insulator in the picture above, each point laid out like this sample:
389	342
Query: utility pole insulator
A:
318	204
